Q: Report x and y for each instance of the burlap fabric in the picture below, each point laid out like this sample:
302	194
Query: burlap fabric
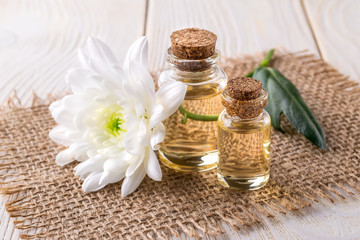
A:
46	200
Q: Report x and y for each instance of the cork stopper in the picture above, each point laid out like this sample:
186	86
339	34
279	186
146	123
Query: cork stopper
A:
193	43
244	88
244	97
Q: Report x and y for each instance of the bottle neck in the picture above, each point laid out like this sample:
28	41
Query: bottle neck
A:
236	118
244	109
193	71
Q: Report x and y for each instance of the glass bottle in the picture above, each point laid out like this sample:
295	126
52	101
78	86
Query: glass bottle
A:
191	147
244	142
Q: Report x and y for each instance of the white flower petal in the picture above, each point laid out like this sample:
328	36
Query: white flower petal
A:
152	166
163	78
79	119
100	139
140	87
158	114
139	109
108	73
133	93
94	164
137	52
137	161
81	79
84	59
131	183
65	157
107	178
92	152
132	142
55	105
59	135
91	183
116	165
144	133
101	60
131	145
76	151
142	76
63	116
100	50
75	102
114	171
81	150
132	120
170	96
107	99
158	135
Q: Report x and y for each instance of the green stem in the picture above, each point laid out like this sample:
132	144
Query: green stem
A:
207	118
197	117
264	62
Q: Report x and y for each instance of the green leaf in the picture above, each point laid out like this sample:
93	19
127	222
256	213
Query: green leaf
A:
285	98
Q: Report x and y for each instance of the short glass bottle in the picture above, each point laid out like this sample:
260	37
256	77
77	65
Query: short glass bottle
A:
191	147
244	143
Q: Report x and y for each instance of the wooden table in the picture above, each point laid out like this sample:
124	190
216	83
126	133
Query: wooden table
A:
39	41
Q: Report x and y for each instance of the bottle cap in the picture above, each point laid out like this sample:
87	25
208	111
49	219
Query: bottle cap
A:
193	43
244	88
244	97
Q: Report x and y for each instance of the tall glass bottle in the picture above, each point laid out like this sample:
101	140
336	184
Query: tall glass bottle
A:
191	146
244	136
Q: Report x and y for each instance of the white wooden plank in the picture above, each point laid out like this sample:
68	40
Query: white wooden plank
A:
242	27
39	41
336	26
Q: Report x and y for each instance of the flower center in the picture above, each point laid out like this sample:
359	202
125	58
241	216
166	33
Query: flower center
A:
111	119
114	123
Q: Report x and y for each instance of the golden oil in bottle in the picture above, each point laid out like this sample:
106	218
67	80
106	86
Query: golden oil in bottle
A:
244	136
191	146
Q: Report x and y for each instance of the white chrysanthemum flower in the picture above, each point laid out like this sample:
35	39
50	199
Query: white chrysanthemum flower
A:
112	121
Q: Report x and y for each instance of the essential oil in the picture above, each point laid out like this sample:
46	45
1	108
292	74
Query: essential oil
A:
244	136
193	60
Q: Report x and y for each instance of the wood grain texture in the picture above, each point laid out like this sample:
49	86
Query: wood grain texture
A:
336	26
39	39
322	220
242	27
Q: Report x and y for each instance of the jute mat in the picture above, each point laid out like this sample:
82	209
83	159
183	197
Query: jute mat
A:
46	200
